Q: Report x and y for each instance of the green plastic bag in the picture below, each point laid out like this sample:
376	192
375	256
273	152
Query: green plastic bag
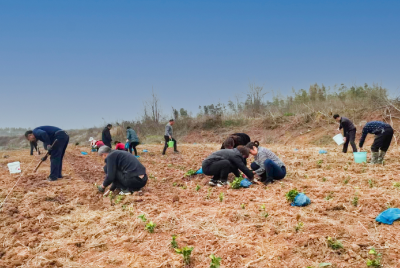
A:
170	144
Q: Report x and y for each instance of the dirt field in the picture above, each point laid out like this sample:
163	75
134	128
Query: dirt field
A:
68	224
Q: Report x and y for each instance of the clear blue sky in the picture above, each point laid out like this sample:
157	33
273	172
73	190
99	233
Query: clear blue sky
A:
72	63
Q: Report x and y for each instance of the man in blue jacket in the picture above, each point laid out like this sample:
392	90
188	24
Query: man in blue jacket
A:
383	137
47	135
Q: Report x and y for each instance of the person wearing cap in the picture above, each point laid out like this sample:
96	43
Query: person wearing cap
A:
168	136
48	135
123	171
349	132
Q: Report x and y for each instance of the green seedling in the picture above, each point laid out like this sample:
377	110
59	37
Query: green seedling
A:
346	181
169	165
215	261
243	206
198	188
184	187
291	195
209	193
262	207
298	226
124	207
305	176
174	244
190	172
396	185
329	196
150	227
236	182
119	199
221	197
142	217
354	202
174	184
265	214
376	262
324	179
371	183
185	252
319	163
346	168
334	243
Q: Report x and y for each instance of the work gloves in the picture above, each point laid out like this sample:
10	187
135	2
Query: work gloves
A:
44	158
100	188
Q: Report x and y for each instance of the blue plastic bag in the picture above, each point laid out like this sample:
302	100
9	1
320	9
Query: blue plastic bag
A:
200	171
245	183
323	151
301	200
145	151
84	153
127	145
389	216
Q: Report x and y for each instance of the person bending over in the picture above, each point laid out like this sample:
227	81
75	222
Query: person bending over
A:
266	164
349	132
123	171
120	146
235	140
220	163
383	137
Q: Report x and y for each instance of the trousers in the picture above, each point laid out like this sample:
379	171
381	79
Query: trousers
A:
166	144
127	181
350	138
272	170
57	154
382	141
220	169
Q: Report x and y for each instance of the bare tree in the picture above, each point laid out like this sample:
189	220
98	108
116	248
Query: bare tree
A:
154	107
254	102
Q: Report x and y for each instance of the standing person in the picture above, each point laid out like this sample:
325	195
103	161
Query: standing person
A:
34	145
266	164
168	136
220	163
349	132
133	139
47	135
120	146
383	137
235	140
123	171
106	135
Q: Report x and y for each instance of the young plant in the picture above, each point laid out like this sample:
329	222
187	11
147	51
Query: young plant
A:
334	243
142	217
221	197
291	195
396	185
243	206
262	207
174	244
198	188
185	252
119	199
265	214
329	196
346	181
319	163
376	261
371	183
324	179
150	227
236	182
354	202
184	187
215	261
298	226
209	193
190	172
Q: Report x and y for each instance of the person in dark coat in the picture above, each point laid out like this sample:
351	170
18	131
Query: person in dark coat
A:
220	163
349	132
47	135
106	135
235	140
383	137
123	171
34	145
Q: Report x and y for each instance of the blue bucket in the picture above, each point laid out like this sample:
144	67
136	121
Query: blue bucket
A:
360	157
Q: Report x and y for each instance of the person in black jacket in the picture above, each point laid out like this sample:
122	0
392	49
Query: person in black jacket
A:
235	140
123	171
219	164
106	135
349	132
34	145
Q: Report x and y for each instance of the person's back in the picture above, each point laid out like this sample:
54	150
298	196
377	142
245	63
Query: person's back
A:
131	135
124	161
43	131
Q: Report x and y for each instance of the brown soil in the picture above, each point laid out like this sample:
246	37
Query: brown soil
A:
68	224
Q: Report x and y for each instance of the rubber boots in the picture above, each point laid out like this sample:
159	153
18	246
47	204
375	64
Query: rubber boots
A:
381	157
374	158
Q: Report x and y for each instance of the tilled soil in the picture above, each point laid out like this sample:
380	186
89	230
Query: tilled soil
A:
67	223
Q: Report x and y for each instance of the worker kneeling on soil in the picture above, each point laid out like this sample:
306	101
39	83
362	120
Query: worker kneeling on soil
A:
47	135
383	137
266	164
220	163
123	171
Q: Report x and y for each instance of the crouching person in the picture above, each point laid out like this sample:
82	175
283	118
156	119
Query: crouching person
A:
123	171
266	164
219	164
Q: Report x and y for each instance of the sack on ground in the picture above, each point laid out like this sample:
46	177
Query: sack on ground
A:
245	183
301	200
389	216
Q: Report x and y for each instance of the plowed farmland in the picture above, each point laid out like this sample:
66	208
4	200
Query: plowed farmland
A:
67	223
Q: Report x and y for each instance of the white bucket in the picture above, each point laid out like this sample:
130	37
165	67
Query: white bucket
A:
14	167
339	139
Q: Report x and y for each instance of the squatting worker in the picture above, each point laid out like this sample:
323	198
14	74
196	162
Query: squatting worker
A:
349	132
383	137
168	136
47	135
123	171
106	135
34	145
235	140
220	163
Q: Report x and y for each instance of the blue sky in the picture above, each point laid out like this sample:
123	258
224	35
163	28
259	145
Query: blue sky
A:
74	63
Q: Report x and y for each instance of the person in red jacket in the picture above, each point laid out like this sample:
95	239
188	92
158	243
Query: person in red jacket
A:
120	146
98	144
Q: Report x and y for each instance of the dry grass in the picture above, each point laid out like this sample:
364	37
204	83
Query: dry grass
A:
66	223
